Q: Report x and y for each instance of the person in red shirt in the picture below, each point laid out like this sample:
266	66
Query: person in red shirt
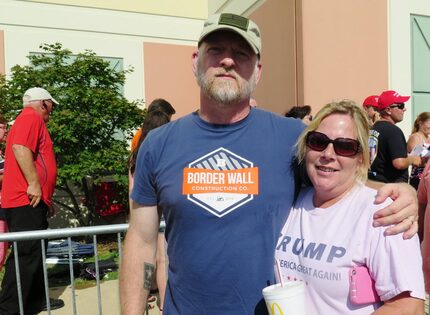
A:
3	225
29	180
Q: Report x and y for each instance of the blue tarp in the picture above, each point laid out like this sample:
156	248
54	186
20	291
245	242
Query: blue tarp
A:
61	248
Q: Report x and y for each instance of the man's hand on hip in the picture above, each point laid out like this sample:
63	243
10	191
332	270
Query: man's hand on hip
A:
24	157
34	193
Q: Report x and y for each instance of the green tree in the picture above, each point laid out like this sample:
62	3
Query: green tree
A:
91	126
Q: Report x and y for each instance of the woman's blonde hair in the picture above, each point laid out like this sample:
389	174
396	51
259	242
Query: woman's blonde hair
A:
422	118
360	119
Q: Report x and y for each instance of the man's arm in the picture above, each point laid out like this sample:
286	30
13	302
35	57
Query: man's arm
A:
425	251
421	216
24	157
401	304
403	212
403	163
138	262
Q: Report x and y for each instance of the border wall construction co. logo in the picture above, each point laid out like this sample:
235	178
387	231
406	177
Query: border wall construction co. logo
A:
220	182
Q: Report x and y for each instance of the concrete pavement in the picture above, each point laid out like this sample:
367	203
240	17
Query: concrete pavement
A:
86	300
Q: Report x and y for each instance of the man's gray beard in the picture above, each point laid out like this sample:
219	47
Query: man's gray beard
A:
223	92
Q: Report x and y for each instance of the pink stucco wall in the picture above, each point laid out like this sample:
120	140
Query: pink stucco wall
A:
318	51
345	50
168	75
278	90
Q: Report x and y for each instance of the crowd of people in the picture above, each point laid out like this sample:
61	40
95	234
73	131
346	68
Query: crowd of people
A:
391	155
229	183
233	188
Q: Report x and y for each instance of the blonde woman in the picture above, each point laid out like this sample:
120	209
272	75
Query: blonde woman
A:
329	230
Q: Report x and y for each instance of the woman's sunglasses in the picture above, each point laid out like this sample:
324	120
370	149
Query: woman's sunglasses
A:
318	141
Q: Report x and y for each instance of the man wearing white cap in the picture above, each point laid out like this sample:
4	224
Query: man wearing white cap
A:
28	185
223	177
388	151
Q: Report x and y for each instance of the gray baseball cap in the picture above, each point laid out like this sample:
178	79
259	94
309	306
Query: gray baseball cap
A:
236	23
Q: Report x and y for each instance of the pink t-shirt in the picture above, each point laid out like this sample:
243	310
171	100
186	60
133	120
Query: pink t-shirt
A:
30	131
320	245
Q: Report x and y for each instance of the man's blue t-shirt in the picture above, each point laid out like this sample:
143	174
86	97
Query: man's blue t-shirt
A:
225	191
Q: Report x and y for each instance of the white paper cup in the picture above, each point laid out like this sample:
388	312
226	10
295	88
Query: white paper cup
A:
287	300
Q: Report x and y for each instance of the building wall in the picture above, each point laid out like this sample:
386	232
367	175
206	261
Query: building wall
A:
183	8
106	32
399	37
168	75
313	51
241	7
316	51
345	50
278	88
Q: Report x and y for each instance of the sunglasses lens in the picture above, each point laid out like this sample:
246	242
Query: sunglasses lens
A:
317	141
345	147
342	146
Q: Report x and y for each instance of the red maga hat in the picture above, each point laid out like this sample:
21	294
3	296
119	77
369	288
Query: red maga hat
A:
371	100
390	97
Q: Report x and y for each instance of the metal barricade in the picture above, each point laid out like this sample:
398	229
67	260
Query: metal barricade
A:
64	233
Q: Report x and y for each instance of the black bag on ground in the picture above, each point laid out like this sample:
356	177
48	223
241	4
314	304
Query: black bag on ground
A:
88	270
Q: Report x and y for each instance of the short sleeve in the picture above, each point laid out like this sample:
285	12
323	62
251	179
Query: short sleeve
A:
144	187
396	265
397	144
30	127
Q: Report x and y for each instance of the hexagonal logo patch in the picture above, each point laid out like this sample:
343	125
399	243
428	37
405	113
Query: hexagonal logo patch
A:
220	182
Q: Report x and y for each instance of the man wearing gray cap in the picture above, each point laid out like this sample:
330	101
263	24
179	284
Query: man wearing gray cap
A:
30	174
223	177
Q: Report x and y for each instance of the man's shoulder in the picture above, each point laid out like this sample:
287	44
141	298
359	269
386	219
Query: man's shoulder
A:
29	114
384	124
280	120
379	124
173	126
178	123
385	127
27	123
